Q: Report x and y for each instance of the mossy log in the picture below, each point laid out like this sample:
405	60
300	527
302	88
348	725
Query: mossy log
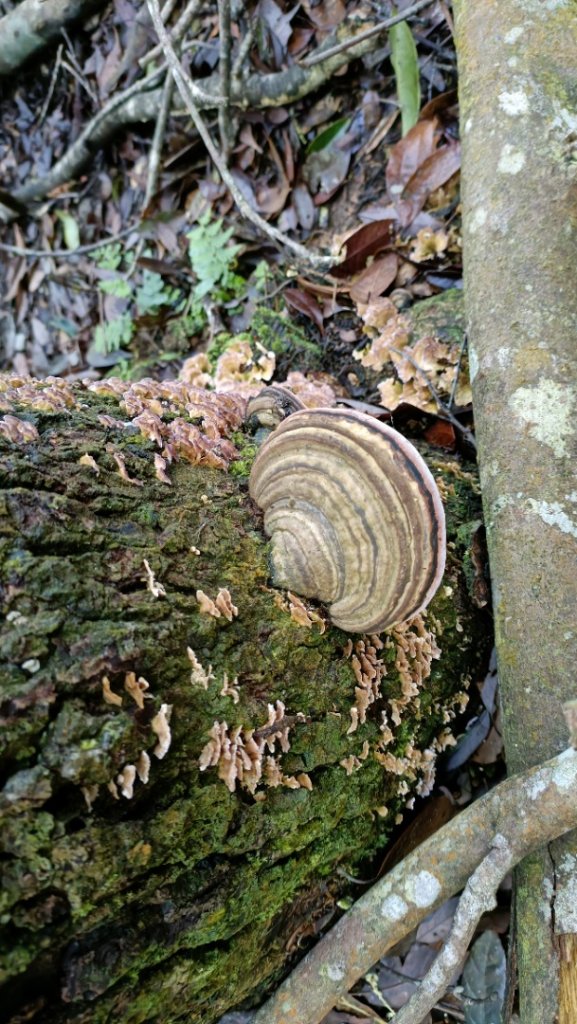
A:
177	897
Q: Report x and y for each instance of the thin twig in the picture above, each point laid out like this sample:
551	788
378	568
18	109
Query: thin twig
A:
81	250
457	372
179	28
184	87
167	9
75	69
359	1009
80	79
442	406
243	52
158	139
375	30
224	67
479	897
191	93
52	86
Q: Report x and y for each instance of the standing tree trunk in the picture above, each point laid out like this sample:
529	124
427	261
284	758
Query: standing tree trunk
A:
136	887
519	117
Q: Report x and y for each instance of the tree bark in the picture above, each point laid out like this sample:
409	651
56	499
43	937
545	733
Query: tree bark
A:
33	24
183	898
517	88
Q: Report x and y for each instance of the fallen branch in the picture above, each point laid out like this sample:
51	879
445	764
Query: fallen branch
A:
28	28
479	897
369	33
141	102
188	94
528	811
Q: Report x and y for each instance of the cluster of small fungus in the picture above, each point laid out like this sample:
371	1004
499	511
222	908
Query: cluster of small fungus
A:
242	370
222	604
185	422
158	409
240	754
369	671
52	394
18	431
415	648
417	364
49	395
301	613
239	369
137	689
199	676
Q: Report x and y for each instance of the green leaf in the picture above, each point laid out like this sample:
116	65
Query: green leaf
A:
328	135
406	67
116	286
152	293
116	333
211	257
108	257
69	229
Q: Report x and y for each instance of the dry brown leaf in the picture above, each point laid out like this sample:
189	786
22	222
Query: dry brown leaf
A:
374	280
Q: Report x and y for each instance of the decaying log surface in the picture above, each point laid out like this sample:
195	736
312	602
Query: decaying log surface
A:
517	90
174	898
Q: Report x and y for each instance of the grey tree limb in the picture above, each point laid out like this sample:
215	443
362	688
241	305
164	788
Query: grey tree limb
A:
517	91
30	26
479	897
528	810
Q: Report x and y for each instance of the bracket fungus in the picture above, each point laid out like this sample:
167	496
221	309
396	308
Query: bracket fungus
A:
272	405
355	517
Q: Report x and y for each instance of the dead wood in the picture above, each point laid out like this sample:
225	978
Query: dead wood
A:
180	782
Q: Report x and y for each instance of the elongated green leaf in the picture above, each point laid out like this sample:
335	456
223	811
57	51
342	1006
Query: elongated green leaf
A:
406	66
69	229
328	135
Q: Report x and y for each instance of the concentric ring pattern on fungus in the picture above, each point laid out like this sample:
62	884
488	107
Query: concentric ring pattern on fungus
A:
354	515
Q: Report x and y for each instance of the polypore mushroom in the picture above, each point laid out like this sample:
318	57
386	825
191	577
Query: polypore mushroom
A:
272	405
354	515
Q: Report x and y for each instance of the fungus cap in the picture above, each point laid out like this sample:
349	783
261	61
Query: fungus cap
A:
272	405
354	515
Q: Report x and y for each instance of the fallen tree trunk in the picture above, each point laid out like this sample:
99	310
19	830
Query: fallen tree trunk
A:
516	75
137	887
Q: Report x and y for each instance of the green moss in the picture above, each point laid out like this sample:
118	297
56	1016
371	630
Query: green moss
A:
220	343
247	450
442	315
293	348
